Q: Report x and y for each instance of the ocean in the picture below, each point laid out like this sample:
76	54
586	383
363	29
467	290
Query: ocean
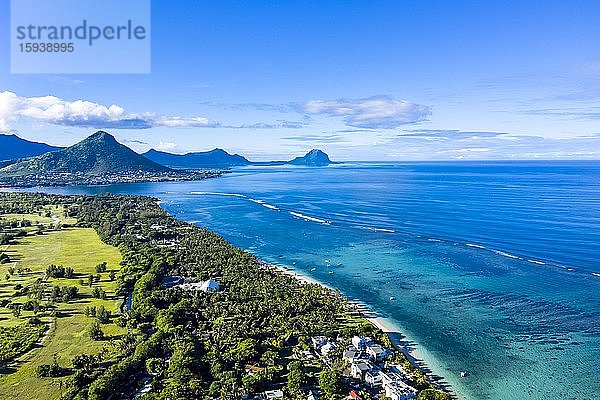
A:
488	268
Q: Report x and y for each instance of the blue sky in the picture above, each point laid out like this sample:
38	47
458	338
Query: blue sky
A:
362	80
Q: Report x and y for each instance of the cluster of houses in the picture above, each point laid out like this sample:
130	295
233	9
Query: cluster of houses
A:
366	365
366	359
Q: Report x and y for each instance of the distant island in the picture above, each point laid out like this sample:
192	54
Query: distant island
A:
100	159
219	158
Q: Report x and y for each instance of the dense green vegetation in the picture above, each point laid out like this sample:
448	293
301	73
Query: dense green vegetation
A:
42	320
15	340
189	344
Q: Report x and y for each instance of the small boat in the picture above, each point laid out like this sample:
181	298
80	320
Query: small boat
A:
294	263
331	272
328	261
392	298
313	269
463	374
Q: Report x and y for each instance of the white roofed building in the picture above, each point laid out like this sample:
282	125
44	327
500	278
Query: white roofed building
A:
377	351
210	286
400	391
358	369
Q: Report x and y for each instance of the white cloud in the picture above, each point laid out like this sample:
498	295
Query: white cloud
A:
372	112
198	122
166	145
57	111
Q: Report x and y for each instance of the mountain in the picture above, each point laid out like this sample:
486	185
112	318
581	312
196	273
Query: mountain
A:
97	155
314	158
13	147
216	158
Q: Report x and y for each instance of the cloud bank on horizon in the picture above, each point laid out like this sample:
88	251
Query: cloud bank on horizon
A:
83	113
382	120
377	112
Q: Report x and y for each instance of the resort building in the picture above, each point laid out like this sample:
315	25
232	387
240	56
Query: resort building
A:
210	286
361	342
373	377
358	369
390	377
400	391
351	354
377	352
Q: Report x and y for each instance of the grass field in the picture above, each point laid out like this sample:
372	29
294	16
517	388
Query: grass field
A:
67	336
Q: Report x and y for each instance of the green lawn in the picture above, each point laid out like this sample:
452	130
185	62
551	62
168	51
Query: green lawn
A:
34	218
81	249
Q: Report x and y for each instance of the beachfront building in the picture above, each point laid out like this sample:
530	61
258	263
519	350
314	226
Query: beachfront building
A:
400	391
377	352
351	354
358	369
361	342
312	396
373	377
390	377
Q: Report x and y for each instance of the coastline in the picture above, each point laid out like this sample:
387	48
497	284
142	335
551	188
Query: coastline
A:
385	325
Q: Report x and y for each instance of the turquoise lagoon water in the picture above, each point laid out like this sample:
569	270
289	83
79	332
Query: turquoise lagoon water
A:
491	265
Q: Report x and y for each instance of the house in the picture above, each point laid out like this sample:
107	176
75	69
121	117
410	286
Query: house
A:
399	369
351	354
373	377
210	286
327	347
318	341
354	396
390	377
377	352
358	369
400	391
312	396
273	395
360	342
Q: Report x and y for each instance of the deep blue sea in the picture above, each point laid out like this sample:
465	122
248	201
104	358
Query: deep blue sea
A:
494	267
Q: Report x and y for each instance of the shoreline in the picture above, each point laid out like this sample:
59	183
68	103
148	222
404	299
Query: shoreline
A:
385	325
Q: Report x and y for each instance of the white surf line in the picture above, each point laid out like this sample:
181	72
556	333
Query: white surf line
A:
220	194
386	230
596	274
242	196
478	246
537	262
307	218
502	253
264	204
